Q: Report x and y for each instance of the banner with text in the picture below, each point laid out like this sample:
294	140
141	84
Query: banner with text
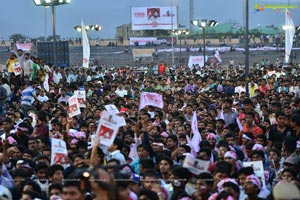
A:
153	18
196	60
142	41
151	99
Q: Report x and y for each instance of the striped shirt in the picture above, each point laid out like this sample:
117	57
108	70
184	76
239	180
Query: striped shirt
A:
27	96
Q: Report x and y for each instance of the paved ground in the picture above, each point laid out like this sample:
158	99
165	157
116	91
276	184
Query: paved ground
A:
110	56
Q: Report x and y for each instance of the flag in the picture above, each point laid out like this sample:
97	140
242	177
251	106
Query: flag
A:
196	139
151	99
222	115
289	34
239	123
168	81
85	46
46	83
217	55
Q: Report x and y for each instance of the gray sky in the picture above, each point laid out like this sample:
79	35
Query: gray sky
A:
22	16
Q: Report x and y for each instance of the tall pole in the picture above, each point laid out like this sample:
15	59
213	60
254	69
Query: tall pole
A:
179	49
54	34
172	36
203	31
45	39
247	46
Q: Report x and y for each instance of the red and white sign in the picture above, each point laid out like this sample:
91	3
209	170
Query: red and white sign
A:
151	99
59	154
81	98
17	68
73	106
151	18
107	129
196	60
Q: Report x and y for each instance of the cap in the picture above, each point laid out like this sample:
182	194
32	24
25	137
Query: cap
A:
230	154
291	160
254	179
81	135
5	193
211	136
286	190
258	147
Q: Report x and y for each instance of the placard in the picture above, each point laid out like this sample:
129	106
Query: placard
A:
194	165
73	106
59	153
81	97
17	68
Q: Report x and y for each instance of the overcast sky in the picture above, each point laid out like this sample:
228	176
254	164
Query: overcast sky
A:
22	16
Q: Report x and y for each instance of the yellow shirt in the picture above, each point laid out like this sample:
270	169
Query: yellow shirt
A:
252	90
9	64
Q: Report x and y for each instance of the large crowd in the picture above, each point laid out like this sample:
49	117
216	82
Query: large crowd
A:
241	119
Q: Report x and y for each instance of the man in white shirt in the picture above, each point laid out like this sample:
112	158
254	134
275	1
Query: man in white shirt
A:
42	97
115	151
27	65
120	91
57	77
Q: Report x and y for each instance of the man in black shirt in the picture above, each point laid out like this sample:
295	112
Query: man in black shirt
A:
279	131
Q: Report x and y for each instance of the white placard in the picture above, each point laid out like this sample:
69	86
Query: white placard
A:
17	68
194	165
73	106
258	168
81	98
152	18
111	108
196	60
59	153
107	129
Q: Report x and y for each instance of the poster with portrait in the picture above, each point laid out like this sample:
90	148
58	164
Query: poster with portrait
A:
194	165
59	154
108	128
154	18
73	106
17	68
81	97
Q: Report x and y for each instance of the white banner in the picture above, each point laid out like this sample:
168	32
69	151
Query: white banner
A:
196	60
27	47
81	98
17	68
142	41
194	165
151	99
73	106
59	152
85	47
258	168
152	18
289	34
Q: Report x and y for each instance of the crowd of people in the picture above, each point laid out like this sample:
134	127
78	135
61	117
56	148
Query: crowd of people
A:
241	119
